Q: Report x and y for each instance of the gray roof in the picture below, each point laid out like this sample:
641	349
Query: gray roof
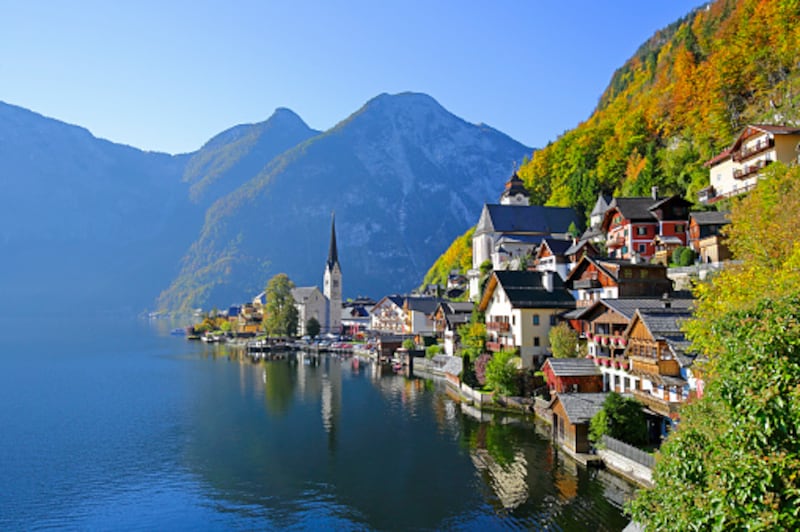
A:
627	307
573	367
581	407
601	205
557	246
711	217
301	293
535	219
634	208
525	290
426	305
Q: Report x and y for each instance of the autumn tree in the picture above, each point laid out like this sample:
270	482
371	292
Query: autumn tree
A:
734	461
280	313
564	341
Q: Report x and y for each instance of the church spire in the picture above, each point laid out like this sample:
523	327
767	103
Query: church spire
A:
333	255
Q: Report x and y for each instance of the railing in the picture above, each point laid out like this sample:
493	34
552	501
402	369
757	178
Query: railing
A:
656	404
498	326
761	145
585	284
628	451
750	169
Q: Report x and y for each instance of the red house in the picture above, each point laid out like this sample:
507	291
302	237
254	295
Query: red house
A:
565	375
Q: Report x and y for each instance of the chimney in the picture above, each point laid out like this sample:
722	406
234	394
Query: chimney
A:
547	280
654	192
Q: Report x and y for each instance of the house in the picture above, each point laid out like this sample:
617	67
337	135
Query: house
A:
736	170
388	316
578	375
706	238
594	279
520	307
447	317
631	224
572	413
604	325
310	303
664	247
551	255
355	316
512	229
404	314
657	349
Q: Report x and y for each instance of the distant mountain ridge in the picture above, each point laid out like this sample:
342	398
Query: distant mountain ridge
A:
403	175
88	223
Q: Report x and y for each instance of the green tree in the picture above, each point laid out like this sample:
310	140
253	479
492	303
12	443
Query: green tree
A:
621	418
281	316
313	326
432	350
563	341
734	461
501	373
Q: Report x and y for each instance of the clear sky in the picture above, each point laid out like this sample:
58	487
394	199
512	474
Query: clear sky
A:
167	75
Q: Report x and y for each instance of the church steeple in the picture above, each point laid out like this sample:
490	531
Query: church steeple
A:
515	192
333	255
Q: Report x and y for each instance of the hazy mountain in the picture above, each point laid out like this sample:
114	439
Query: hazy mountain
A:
403	175
85	223
235	156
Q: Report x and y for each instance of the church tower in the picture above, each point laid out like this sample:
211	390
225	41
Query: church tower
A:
514	192
332	284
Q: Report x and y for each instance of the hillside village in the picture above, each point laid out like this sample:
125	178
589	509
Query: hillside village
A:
621	287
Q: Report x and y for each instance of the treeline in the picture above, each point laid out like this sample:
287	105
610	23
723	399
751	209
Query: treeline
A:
676	103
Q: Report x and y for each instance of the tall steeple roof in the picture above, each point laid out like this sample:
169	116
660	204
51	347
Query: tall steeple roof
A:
514	192
333	254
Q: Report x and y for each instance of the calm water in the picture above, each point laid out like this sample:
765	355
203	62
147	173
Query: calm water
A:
117	425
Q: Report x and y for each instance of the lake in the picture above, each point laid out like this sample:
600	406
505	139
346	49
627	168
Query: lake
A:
114	424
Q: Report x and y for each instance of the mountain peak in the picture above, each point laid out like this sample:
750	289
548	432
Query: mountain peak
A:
284	115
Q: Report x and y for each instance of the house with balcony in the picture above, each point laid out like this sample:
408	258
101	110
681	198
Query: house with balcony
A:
631	224
605	323
404	315
520	307
737	169
706	238
594	279
661	360
447	317
551	256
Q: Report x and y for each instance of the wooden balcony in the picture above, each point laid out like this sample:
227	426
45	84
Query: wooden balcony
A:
499	326
751	169
754	149
657	404
586	284
494	347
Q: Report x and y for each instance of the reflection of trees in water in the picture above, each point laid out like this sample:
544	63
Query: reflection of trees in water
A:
279	386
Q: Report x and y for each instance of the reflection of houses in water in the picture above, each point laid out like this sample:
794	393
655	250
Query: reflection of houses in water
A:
509	482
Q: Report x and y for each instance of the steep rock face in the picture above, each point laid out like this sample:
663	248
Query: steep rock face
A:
404	177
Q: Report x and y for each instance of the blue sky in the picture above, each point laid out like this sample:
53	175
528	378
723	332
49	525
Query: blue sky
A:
168	75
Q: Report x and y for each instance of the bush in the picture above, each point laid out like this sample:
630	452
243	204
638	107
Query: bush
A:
409	345
480	368
432	350
468	372
501	373
621	418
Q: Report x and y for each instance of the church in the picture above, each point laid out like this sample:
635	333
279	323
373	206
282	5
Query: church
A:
512	229
325	306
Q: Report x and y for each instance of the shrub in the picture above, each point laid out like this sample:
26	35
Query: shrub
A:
480	368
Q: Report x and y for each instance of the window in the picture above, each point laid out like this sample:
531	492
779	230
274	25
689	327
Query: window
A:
535	341
553	320
642	248
513	320
536	319
679	228
641	230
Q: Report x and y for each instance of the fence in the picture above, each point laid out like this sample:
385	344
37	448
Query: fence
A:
628	451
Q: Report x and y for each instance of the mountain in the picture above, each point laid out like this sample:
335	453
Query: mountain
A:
235	156
403	175
681	99
84	223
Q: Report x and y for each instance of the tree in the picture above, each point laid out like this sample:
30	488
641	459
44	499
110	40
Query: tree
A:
280	313
733	462
621	418
563	341
501	373
313	327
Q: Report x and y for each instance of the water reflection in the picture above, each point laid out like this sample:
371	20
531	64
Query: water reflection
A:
353	444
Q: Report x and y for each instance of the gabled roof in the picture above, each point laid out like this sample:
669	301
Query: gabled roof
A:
602	203
627	307
531	219
426	305
612	268
665	324
580	244
580	407
525	289
301	293
710	217
634	209
394	299
756	129
557	246
672	199
573	367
